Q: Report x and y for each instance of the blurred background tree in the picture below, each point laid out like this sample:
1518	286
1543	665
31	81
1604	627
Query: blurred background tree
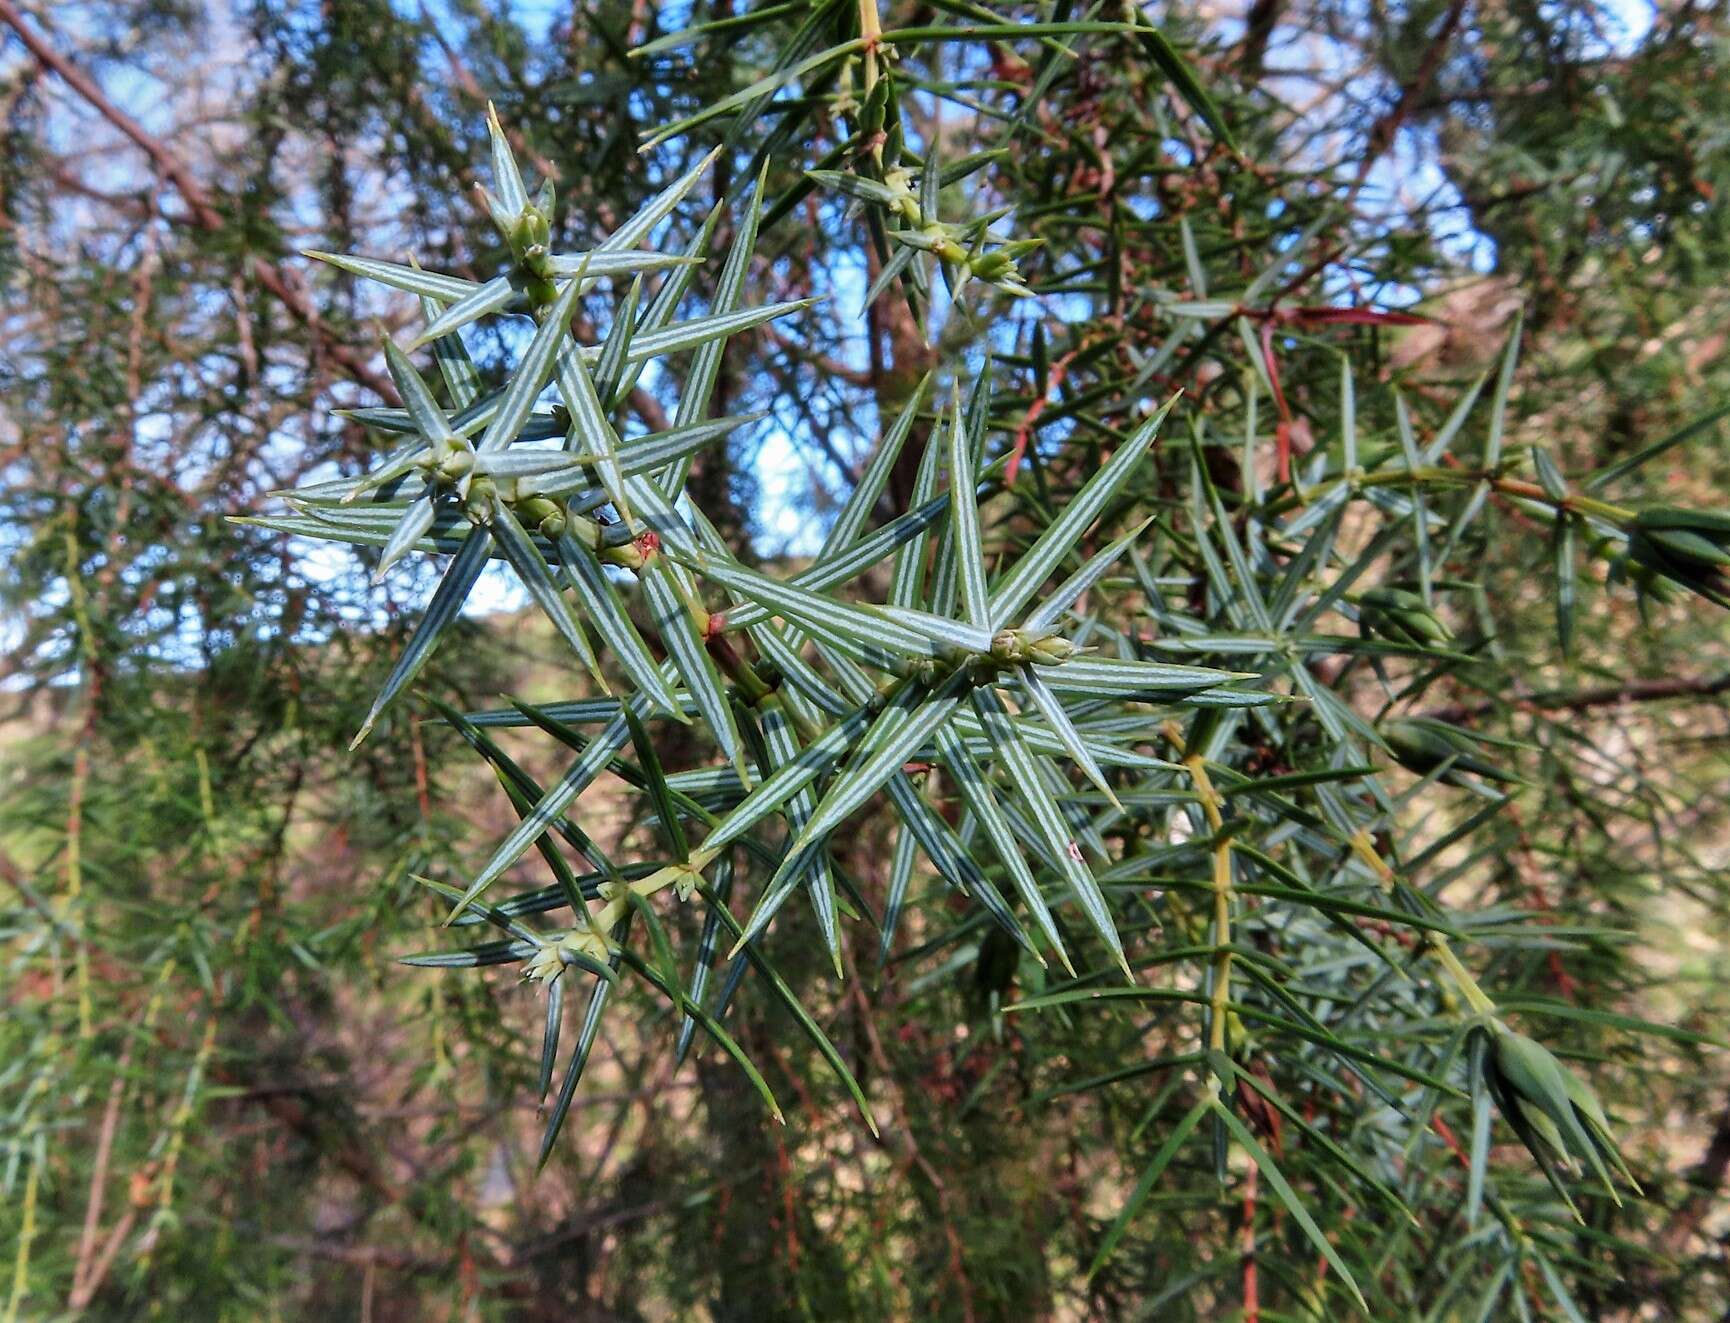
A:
222	1099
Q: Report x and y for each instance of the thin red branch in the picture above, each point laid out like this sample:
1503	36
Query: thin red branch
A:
1024	433
204	212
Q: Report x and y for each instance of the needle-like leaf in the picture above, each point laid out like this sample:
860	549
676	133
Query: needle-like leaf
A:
900	878
708	947
441	613
610	366
583	570
496	295
1051	708
869	637
1018	586
819	878
581	774
981	801
1153	680
705	368
1071	589
1024	775
1289	1197
707	1022
413	525
660	793
912	715
542	587
579	1058
670	605
550	1035
964	525
1149	1178
534	370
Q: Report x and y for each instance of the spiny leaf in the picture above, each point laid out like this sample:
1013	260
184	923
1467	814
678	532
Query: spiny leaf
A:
589	764
651	214
1111	675
1078	583
453	289
900	877
1019	585
705	368
1051	708
850	521
550	1035
981	800
496	295
1149	1178
782	747
911	716
784	994
441	613
964	525
583	570
953	861
422	409
818	757
869	637
542	587
579	1059
683	638
1019	761
533	371
707	1022
660	793
708	945
506	177
411	527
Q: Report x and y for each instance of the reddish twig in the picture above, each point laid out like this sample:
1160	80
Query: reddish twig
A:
1251	1289
1024	433
204	211
1273	317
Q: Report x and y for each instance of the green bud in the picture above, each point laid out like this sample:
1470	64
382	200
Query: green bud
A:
1646	582
542	515
456	463
1687	547
876	103
549	962
1051	651
998	268
483	495
900	182
1541	1125
532	230
925	670
1012	647
1401	617
1554	1113
1422	745
1533	1075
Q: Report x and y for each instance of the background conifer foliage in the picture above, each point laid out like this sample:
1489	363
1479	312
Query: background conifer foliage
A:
847	660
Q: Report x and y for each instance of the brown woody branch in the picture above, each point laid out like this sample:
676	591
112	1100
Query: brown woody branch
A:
1704	1181
1387	126
203	210
1582	700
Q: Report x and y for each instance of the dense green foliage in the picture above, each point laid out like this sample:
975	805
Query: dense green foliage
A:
1206	804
